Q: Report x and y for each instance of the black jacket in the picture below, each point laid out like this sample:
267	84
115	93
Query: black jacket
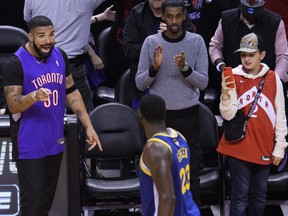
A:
234	29
141	23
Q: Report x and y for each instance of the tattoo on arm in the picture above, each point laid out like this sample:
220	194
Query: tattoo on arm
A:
18	99
15	93
78	113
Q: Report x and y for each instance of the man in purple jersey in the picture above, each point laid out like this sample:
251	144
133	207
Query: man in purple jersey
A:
36	84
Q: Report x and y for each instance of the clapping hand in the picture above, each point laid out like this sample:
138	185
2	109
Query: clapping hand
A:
158	57
180	59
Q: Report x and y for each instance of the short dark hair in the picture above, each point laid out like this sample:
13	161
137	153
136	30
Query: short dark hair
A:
38	21
152	108
173	3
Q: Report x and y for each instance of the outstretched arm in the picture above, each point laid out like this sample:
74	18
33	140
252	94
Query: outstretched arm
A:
18	103
76	104
216	48
108	15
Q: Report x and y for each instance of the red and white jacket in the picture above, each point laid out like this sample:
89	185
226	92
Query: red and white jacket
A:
266	128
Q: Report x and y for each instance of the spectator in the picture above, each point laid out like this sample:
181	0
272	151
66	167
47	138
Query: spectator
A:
72	26
162	174
118	63
94	65
265	130
144	19
174	64
251	16
35	80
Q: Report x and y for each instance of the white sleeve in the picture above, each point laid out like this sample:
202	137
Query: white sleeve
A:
229	107
280	126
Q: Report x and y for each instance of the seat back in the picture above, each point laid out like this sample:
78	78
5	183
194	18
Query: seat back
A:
119	130
124	90
101	42
122	137
104	94
208	135
210	175
11	38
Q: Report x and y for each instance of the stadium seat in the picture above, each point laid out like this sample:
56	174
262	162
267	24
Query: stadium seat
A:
104	94
122	137
11	38
123	90
210	173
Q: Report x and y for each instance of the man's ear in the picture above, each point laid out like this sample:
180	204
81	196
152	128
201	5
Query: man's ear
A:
30	36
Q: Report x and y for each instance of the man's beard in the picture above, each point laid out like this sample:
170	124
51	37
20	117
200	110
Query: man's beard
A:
41	54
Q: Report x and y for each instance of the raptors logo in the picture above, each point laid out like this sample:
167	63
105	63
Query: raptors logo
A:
252	2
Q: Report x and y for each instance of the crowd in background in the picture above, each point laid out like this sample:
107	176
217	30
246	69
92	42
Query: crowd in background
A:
140	41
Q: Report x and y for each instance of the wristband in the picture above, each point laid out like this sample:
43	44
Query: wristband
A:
219	64
70	89
185	67
96	20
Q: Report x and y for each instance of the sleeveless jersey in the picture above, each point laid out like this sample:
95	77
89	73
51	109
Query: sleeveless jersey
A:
41	131
184	206
259	141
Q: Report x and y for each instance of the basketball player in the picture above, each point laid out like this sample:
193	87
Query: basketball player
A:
164	164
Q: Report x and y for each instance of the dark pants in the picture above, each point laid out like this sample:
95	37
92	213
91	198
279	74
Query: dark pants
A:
38	180
186	122
79	75
248	187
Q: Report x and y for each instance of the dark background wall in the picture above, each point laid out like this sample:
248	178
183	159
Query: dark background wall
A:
11	13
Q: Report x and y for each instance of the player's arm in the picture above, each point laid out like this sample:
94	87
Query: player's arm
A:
75	102
159	160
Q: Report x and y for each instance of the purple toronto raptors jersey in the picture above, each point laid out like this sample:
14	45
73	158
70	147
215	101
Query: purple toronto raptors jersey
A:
41	131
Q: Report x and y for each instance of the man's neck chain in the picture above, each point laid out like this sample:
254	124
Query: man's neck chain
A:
38	61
